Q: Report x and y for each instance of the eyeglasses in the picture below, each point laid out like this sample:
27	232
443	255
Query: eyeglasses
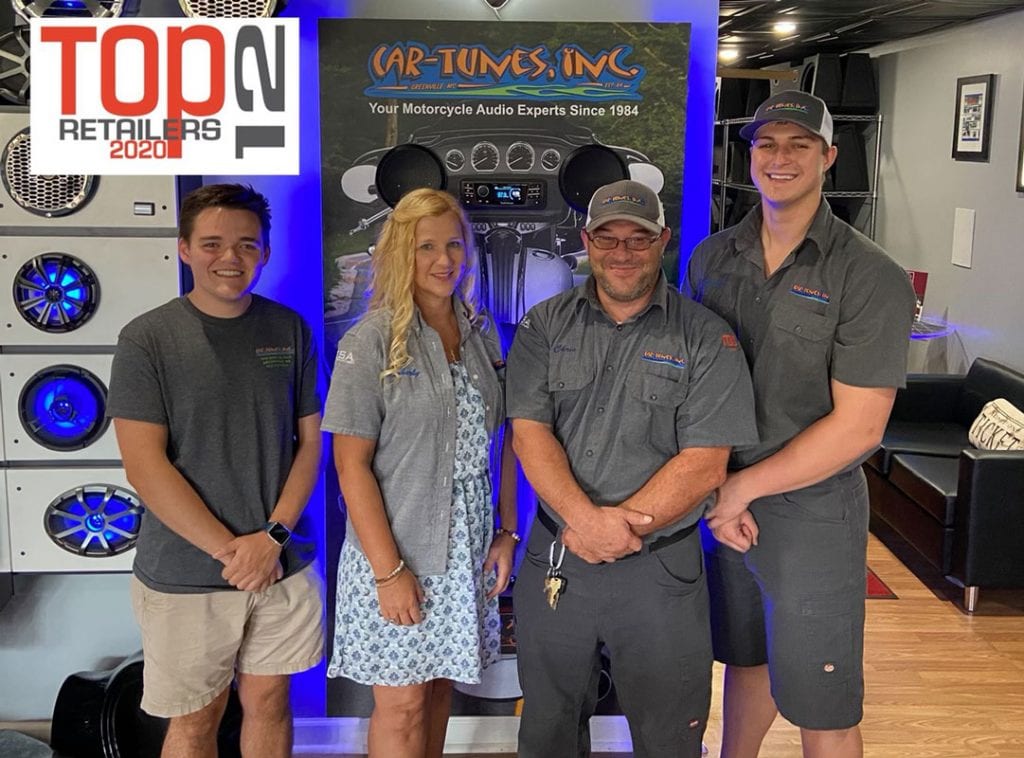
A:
606	242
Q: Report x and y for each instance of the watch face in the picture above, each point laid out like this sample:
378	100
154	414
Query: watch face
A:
279	533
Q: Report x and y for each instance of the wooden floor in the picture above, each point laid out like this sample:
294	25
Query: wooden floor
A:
939	683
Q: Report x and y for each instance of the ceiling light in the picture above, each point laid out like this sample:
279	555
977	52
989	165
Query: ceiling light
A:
784	27
728	54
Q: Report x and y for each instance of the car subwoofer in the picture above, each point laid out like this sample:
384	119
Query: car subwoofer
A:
56	292
75	8
94	520
14	62
46	195
586	169
231	8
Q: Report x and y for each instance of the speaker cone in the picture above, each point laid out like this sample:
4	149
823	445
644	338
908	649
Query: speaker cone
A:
407	167
585	170
63	408
94	520
14	55
45	195
229	8
56	292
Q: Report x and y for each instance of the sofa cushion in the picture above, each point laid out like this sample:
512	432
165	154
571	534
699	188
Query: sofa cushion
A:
928	480
918	438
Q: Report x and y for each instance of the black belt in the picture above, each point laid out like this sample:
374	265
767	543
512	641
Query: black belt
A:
649	547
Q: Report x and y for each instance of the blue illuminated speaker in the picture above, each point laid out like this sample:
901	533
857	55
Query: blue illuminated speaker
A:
75	8
231	8
56	292
43	195
14	61
64	407
94	520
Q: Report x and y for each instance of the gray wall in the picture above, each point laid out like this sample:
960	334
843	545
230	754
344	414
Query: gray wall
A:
921	186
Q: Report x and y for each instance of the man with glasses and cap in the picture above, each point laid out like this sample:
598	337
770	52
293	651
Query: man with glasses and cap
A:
823	316
625	399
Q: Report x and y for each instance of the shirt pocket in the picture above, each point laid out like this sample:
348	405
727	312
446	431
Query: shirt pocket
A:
569	377
657	391
803	323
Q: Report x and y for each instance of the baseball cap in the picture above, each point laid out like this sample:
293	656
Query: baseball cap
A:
795	107
626	200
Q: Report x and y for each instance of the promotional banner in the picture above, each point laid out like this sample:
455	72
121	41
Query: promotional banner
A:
170	97
521	122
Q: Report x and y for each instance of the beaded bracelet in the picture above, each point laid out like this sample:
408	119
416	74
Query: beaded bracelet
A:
394	572
514	535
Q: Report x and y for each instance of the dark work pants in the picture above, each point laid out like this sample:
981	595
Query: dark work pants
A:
651	613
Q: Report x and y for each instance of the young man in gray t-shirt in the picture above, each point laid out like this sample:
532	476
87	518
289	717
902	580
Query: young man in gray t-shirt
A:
215	404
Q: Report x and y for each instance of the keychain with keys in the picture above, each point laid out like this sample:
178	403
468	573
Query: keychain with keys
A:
554	582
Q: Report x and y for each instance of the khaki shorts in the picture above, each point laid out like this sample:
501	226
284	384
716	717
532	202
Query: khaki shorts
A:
193	643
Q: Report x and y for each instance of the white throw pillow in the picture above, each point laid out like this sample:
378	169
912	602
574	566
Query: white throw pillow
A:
999	426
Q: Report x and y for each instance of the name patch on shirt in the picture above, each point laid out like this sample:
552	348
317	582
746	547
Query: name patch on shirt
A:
408	371
276	357
668	359
810	293
560	348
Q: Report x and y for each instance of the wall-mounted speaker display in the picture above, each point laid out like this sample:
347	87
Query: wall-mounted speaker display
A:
81	291
14	62
75	8
62	407
72	519
54	408
408	167
231	8
56	292
70	204
587	168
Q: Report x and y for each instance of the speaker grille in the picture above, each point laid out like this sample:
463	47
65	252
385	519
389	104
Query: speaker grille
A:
94	520
63	408
47	195
407	167
585	170
228	8
69	8
56	292
14	60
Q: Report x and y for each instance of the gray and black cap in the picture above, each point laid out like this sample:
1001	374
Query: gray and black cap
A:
795	107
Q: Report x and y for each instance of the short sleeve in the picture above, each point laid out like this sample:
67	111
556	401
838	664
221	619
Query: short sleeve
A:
309	389
355	401
873	334
719	408
135	392
526	381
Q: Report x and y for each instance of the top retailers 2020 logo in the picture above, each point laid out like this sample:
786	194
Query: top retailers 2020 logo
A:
174	96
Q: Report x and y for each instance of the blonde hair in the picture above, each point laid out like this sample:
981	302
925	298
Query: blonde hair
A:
394	267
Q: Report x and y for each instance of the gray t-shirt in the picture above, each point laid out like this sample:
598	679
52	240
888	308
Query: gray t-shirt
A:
623	399
837	308
230	392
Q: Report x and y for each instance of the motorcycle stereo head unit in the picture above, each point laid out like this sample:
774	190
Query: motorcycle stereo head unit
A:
503	194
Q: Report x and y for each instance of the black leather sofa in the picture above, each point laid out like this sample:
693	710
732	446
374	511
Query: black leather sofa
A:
960	507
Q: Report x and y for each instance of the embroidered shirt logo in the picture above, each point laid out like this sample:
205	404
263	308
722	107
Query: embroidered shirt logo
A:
525	322
563	348
810	293
408	371
668	359
276	357
345	356
730	341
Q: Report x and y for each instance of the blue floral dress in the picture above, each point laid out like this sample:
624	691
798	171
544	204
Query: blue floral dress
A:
459	634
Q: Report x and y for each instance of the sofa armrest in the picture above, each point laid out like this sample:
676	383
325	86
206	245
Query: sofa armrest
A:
928	397
988	521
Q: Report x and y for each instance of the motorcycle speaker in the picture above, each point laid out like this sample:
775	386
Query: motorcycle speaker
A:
231	8
407	167
75	8
585	170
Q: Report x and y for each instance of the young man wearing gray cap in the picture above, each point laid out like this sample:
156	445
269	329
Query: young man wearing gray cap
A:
625	398
823	316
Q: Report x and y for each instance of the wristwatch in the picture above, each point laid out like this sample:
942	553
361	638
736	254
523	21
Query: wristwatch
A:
279	533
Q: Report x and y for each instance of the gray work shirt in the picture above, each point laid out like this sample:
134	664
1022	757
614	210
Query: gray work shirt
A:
412	418
622	399
837	308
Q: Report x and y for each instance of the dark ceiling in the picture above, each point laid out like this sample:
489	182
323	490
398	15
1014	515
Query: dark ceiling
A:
835	26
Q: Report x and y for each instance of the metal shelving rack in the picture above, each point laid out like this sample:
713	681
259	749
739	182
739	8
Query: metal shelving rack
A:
871	196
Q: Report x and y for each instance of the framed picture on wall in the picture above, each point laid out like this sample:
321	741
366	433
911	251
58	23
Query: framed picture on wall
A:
972	123
1020	154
